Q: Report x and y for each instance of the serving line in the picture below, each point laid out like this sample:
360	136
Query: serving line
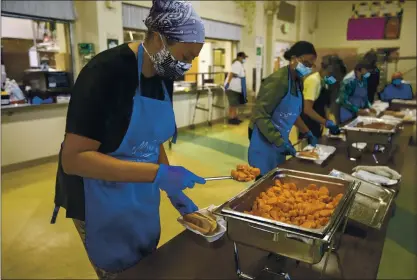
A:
188	256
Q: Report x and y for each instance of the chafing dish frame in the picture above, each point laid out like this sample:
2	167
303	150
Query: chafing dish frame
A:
371	136
300	244
385	201
309	242
398	104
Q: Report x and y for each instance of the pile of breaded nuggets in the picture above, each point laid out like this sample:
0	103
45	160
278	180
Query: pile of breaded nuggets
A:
245	173
310	207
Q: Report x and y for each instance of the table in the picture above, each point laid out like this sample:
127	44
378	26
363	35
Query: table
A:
188	256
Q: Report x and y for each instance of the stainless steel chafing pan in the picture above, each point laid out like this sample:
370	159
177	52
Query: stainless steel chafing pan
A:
398	104
370	135
371	202
306	245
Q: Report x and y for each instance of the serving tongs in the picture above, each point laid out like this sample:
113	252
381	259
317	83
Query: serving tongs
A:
218	178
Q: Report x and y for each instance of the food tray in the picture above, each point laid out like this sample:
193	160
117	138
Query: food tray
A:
398	104
306	245
244	201
371	202
352	126
323	151
370	135
221	229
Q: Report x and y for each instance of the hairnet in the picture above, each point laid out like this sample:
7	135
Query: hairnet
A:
300	48
176	20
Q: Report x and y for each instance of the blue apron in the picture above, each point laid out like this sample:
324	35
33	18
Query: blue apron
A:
265	155
390	92
122	223
359	98
244	99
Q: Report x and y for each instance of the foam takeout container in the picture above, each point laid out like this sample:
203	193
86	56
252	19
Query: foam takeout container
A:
221	228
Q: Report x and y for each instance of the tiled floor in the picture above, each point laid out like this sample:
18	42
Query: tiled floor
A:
32	248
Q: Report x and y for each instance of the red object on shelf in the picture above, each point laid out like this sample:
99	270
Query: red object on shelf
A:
366	29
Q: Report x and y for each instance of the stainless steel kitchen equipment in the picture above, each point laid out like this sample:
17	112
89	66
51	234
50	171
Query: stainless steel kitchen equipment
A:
371	202
218	178
301	244
398	104
373	137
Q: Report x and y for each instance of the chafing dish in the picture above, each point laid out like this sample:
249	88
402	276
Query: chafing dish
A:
307	245
371	202
398	104
370	135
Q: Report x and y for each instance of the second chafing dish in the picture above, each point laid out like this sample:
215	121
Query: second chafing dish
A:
370	135
371	202
398	104
307	245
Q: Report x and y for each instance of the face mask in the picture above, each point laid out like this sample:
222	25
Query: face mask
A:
166	65
243	60
397	82
302	70
329	80
367	75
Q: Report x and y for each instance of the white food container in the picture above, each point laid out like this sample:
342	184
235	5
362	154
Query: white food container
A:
322	150
221	229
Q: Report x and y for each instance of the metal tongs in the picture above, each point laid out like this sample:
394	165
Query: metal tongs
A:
218	178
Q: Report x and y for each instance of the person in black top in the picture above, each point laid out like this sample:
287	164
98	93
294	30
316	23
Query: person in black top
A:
112	164
373	81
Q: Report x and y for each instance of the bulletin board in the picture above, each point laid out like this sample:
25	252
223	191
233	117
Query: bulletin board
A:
378	20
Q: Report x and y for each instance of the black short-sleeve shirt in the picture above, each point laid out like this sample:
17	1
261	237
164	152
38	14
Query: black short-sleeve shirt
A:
100	109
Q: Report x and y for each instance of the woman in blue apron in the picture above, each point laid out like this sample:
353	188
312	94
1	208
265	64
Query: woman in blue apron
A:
278	107
119	185
397	89
353	94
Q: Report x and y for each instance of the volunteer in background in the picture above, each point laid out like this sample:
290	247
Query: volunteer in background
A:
397	89
235	86
278	107
112	163
373	81
353	93
316	95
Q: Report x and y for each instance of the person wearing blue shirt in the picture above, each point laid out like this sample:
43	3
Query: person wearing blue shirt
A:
353	93
397	89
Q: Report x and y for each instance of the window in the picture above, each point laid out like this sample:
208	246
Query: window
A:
27	43
130	35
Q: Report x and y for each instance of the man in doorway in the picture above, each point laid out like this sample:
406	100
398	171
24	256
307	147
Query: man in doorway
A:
235	86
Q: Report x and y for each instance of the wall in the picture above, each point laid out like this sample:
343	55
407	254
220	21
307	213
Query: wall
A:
16	28
331	33
225	11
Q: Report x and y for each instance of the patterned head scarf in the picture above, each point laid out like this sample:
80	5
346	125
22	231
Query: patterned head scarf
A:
176	20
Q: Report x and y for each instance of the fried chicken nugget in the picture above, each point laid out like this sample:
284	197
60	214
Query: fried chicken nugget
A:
272	200
326	213
323	221
338	197
324	191
312	187
309	224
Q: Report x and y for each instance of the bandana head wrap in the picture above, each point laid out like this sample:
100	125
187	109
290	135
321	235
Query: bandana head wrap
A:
176	20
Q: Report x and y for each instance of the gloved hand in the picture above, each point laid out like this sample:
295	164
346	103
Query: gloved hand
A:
312	140
173	179
379	170
288	149
226	86
183	203
333	128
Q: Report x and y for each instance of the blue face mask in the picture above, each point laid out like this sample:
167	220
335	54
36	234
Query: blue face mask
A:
329	80
367	75
302	70
397	82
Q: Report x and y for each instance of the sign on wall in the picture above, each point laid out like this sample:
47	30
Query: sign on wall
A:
379	20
